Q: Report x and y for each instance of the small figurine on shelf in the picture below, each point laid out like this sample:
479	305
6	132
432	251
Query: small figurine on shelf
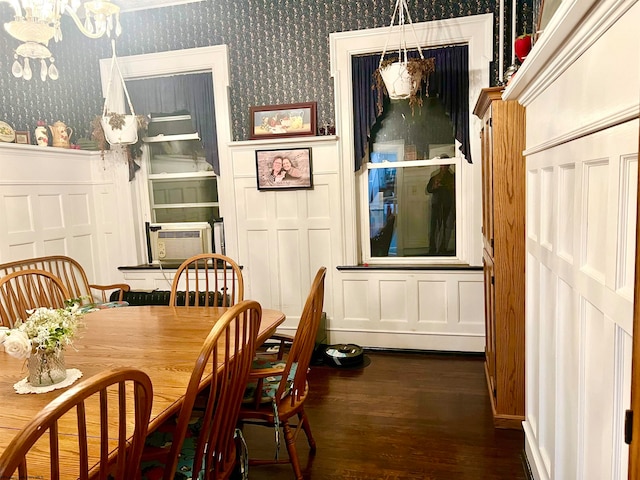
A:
522	46
42	138
61	134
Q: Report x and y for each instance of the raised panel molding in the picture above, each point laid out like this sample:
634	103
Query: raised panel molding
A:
547	208
593	218
18	213
566	208
63	211
626	234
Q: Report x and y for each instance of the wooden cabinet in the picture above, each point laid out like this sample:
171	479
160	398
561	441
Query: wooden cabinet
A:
503	227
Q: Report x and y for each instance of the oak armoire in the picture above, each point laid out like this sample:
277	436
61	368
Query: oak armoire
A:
503	229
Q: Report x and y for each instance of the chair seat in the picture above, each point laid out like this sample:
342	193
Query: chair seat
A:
92	307
158	444
289	382
269	384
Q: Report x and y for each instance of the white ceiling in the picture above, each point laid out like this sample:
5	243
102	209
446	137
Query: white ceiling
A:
133	5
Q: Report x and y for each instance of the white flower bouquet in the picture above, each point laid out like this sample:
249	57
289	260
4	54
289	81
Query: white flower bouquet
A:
46	330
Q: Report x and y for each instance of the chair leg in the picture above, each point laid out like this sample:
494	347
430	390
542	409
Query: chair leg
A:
306	426
291	450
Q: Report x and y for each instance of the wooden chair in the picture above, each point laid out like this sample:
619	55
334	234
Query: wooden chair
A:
290	389
70	272
28	289
209	448
54	424
213	279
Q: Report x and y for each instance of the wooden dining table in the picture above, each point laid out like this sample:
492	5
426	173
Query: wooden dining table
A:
162	341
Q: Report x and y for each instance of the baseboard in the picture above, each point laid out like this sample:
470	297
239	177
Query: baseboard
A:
525	465
444	353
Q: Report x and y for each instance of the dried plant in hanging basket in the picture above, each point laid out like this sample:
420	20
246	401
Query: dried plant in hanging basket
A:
418	70
116	121
97	134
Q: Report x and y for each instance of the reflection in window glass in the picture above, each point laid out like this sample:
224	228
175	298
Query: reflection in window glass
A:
412	211
411	182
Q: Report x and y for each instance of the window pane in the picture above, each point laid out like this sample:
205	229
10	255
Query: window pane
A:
199	214
178	157
441	193
412	211
193	190
424	132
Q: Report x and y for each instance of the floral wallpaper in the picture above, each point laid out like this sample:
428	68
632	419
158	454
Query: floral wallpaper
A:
278	52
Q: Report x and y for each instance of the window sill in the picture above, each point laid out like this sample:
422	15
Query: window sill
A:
408	267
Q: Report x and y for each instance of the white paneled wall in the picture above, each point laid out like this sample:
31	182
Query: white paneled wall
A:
579	303
582	170
66	202
284	236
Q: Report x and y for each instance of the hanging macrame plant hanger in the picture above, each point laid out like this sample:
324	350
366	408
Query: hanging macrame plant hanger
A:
396	77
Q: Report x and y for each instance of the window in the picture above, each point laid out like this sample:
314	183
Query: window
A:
182	185
175	198
356	112
410	184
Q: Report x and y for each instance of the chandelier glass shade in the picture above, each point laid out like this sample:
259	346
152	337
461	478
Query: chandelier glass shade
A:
36	22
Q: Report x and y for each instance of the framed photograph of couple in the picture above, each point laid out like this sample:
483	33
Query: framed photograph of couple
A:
282	169
290	120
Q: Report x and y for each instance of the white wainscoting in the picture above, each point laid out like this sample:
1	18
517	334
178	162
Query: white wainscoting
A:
283	237
582	170
579	303
66	202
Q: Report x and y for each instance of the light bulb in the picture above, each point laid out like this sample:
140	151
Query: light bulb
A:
27	73
16	69
53	71
88	25
43	70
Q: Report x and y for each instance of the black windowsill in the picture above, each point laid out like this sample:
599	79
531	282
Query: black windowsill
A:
408	267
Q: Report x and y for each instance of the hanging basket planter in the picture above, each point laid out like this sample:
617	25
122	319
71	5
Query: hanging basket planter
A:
402	77
402	80
397	80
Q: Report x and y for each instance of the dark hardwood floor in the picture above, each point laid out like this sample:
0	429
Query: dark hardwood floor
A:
404	416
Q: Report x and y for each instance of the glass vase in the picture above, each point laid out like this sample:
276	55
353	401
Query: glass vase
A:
46	368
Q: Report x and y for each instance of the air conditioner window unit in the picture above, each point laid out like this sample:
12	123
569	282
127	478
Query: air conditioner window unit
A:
175	242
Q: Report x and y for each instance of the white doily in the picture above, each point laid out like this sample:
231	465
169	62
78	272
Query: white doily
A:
23	386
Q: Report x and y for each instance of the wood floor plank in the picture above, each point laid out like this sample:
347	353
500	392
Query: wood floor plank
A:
405	416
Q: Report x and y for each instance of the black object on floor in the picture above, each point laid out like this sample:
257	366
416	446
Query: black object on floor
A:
344	355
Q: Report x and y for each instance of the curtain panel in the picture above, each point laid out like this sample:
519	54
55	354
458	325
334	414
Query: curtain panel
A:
449	82
192	92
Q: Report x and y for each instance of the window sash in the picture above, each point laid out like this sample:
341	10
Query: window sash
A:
363	184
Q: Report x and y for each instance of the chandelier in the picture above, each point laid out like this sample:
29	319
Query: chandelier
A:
38	21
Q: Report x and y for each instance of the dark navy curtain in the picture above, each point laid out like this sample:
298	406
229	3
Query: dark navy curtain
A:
449	82
192	92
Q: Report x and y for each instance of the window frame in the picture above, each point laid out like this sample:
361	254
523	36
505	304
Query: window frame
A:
477	32
212	59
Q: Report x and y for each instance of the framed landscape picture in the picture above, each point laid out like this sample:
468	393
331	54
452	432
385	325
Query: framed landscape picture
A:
23	137
290	120
284	169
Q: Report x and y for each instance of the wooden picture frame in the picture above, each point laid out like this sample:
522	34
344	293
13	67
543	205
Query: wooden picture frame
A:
282	169
289	120
23	137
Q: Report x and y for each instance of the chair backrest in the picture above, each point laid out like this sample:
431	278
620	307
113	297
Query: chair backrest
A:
66	417
69	271
210	279
28	289
229	348
303	343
